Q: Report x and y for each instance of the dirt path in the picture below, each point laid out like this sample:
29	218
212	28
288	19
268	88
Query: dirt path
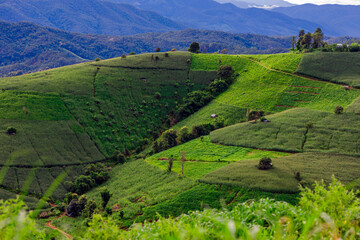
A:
49	224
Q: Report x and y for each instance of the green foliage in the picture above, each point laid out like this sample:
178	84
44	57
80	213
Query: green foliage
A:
287	62
194	47
89	209
265	163
184	135
105	197
339	110
97	59
225	71
11	130
167	140
16	224
170	164
318	216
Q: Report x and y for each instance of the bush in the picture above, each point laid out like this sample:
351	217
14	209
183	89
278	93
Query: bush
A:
166	54
201	130
158	49
105	197
123	56
157	95
217	86
11	130
265	163
89	209
225	72
97	59
184	135
339	110
74	209
131	53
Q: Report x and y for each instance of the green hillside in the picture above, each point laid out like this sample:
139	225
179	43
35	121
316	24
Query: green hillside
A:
335	67
80	114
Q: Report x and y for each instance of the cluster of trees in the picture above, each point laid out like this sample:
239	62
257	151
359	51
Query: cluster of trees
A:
95	175
81	206
308	40
315	41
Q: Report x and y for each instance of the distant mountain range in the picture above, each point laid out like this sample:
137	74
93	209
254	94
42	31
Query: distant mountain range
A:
86	16
27	47
209	14
266	4
341	19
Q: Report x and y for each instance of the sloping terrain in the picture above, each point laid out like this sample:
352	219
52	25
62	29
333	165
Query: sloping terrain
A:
343	68
86	16
68	117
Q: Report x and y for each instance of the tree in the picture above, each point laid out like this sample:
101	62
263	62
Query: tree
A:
300	39
265	163
170	164
158	49
105	197
307	40
225	71
293	42
194	47
184	135
318	38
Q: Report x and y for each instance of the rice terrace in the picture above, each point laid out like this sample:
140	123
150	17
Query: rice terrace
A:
181	145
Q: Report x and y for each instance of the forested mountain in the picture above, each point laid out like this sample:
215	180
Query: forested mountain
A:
342	19
209	14
86	16
27	47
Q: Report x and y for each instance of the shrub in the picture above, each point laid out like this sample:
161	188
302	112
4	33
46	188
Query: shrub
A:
173	50
166	54
158	49
11	130
97	59
131	53
74	209
184	135
201	130
339	110
83	184
265	163
105	197
217	86
123	56
108	211
225	71
70	196
89	209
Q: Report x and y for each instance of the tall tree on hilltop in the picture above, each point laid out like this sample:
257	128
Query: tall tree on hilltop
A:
194	47
318	38
300	40
293	42
307	40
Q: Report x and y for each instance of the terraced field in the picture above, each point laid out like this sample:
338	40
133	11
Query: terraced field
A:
68	117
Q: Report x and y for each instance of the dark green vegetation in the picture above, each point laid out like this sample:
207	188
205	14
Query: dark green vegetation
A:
334	67
69	117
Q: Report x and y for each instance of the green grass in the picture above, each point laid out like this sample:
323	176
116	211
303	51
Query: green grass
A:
287	62
271	91
334	67
31	202
312	167
354	107
288	131
137	185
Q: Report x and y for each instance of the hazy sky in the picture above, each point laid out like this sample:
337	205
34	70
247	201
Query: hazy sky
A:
344	2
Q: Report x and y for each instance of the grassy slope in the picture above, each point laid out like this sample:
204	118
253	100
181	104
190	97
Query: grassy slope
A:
262	89
312	167
287	131
354	107
334	67
78	114
203	157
